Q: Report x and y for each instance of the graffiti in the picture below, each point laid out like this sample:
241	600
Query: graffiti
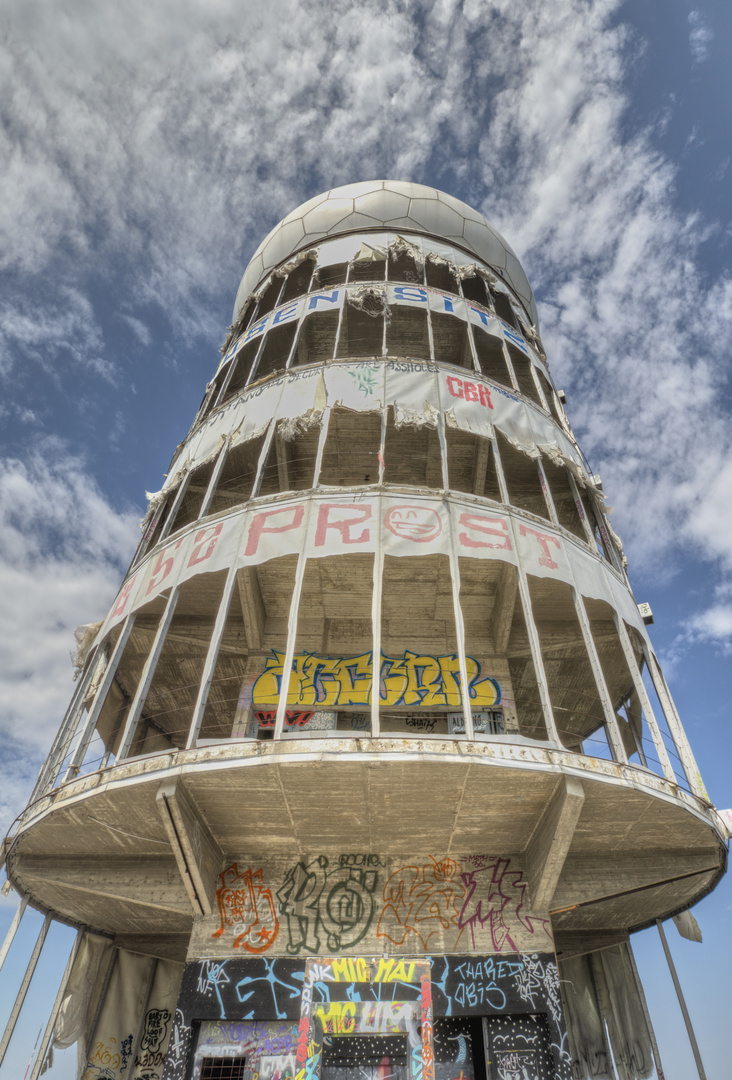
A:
540	980
337	900
423	901
413	679
212	977
369	1018
156	1028
428	1056
479	982
495	897
269	992
247	906
365	380
516	1064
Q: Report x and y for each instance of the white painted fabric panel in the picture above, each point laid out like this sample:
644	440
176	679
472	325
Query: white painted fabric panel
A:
469	402
337	524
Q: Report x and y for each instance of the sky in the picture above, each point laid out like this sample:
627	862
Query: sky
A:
145	150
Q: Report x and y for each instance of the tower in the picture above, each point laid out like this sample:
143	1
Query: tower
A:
373	744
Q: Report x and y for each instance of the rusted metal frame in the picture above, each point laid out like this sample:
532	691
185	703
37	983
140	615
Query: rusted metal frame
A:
533	634
23	990
548	497
99	700
292	619
683	749
51	1024
67	730
617	747
209	665
147	674
640	689
215	477
13	929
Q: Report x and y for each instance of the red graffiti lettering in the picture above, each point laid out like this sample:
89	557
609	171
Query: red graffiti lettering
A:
487	527
343	525
543	540
258	527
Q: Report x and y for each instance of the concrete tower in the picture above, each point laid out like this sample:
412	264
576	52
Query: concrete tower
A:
373	746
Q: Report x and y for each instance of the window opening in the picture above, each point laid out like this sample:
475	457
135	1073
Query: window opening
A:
420	684
195	493
403	266
239	472
527	700
222	1068
298	281
471	465
351	451
412	455
550	397
637	739
504	309
440	276
367	270
270	296
488	594
563	496
243	361
594	519
290	464
522	479
407	333
332	681
573	692
277	345
168	707
316	343
474	289
328	276
362	329
522	368
491	359
451	342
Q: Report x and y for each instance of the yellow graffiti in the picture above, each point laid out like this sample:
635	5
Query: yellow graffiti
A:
414	680
339	1018
395	971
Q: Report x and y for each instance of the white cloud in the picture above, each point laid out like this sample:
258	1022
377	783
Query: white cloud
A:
701	36
63	549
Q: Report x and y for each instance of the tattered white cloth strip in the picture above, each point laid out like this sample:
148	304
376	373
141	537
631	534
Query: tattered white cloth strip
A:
341	523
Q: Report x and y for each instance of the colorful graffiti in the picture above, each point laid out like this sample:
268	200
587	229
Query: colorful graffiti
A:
334	899
332	902
422	902
495	897
247	907
413	679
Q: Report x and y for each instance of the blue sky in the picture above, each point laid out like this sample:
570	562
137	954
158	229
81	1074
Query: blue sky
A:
146	148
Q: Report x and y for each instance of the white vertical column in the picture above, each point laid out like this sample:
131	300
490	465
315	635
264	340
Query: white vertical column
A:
688	762
611	721
48	1033
645	701
20	997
